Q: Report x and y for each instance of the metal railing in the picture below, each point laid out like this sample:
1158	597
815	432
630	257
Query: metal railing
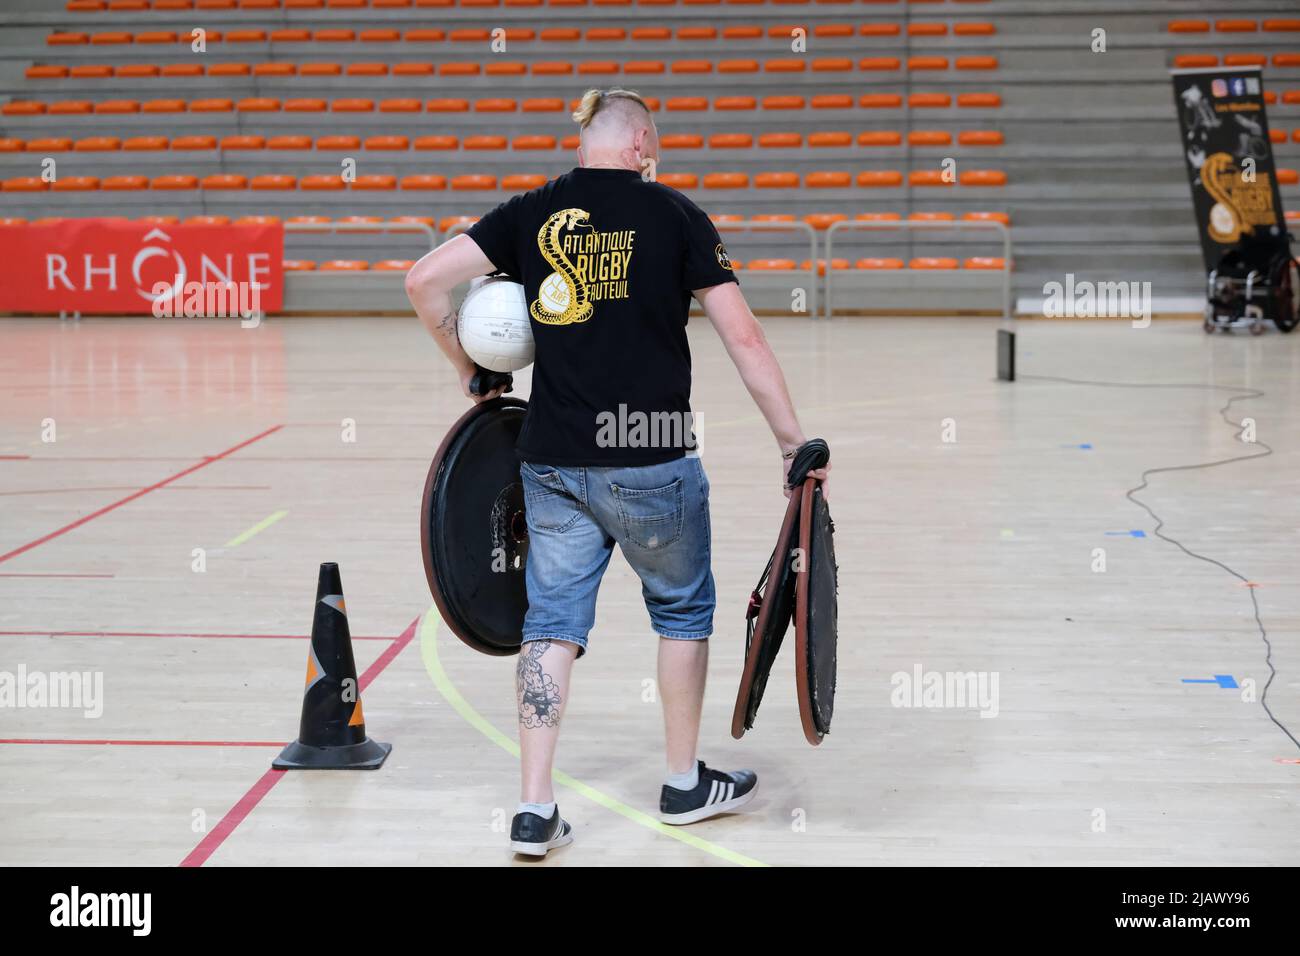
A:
924	225
362	227
784	226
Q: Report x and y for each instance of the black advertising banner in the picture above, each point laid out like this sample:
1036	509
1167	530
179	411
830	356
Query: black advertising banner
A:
1229	158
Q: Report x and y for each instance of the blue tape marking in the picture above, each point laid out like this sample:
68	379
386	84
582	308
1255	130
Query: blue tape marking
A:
1086	446
1226	681
1136	533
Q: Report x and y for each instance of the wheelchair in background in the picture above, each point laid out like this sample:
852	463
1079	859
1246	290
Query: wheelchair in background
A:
1255	282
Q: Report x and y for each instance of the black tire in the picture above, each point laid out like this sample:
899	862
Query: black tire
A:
1285	279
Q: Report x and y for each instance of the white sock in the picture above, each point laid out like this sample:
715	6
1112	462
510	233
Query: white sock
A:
685	781
543	810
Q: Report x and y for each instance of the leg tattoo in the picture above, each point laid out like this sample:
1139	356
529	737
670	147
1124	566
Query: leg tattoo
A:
539	698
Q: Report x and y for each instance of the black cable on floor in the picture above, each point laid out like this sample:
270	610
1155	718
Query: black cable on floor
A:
1243	394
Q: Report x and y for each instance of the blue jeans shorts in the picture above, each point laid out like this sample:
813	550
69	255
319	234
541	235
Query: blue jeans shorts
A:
659	517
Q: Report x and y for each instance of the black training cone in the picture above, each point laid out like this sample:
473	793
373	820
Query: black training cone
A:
332	735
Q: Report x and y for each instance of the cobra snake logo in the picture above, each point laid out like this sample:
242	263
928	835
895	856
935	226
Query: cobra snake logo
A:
563	290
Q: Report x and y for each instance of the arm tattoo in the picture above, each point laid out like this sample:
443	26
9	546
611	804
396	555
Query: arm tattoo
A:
539	698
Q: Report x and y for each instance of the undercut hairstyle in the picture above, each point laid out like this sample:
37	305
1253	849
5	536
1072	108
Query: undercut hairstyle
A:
601	106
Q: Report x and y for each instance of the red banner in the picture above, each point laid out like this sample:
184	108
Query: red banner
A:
116	266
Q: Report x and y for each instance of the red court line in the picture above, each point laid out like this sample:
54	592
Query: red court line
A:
143	743
258	637
207	460
52	574
65	491
14	457
244	806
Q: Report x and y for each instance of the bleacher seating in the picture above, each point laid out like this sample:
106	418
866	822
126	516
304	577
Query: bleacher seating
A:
810	112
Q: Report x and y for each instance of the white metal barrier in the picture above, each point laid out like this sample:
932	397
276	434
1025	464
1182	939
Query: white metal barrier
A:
923	225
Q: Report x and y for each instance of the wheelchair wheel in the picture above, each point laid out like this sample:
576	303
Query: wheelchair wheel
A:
1286	293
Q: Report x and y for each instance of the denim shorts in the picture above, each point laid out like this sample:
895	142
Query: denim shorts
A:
659	517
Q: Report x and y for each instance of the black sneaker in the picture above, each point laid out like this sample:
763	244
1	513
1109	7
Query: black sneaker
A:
532	835
716	793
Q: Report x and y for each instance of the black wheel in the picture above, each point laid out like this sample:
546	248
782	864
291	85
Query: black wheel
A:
1286	294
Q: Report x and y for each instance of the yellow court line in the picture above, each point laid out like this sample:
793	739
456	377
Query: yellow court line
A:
258	528
432	664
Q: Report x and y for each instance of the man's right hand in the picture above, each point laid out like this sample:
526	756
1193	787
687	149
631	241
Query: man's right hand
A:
467	377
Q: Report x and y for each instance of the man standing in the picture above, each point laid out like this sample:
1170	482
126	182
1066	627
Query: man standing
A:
609	260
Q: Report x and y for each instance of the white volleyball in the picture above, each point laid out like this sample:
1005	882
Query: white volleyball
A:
493	325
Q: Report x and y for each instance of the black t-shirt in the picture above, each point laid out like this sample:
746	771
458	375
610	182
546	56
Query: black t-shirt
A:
608	262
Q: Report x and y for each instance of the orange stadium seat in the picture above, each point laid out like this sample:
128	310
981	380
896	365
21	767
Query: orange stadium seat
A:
224	181
174	181
828	179
387	143
983	177
1189	26
124	182
49	144
273	181
932	262
929	137
393	265
725	180
929	100
25	184
75	184
322	181
776	180
680	180
822	221
424	181
521	182
98	144
198	141
830	138
145	143
731	140
880	137
289	141
872	262
436	142
338	141
375	181
880	178
298	265
473	181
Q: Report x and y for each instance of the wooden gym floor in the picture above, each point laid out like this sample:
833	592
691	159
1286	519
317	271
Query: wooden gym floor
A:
970	555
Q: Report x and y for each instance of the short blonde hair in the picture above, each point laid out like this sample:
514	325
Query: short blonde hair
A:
593	101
